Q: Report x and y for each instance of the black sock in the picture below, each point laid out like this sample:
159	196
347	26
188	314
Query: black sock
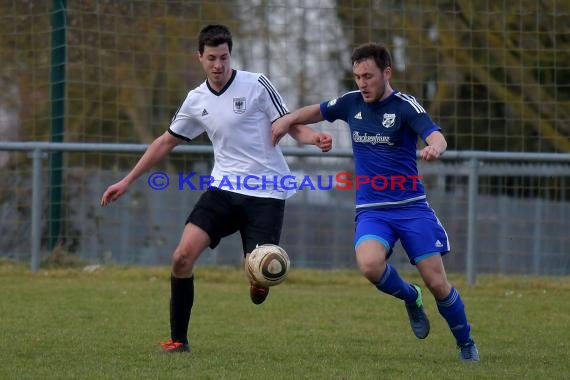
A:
181	301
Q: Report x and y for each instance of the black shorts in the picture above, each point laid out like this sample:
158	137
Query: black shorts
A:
221	213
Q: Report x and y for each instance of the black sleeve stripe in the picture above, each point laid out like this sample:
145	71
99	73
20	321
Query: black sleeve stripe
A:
275	97
179	136
176	113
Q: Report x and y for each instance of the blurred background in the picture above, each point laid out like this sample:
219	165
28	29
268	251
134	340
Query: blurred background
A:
494	75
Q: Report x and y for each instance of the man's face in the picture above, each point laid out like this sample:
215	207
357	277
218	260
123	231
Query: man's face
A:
216	63
371	82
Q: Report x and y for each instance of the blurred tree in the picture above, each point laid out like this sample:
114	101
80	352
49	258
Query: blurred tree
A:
130	64
494	74
24	58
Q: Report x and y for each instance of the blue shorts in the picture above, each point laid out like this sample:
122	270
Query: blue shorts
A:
416	225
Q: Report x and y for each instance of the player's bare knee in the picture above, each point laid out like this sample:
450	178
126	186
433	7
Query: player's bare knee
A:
438	286
371	272
181	263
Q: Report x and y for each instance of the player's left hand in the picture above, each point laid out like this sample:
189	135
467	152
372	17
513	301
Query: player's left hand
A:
430	153
323	141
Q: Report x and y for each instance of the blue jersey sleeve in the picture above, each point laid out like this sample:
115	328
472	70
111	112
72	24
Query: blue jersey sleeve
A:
336	109
417	117
324	112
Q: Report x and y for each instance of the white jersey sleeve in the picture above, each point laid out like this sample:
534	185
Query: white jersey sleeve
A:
186	122
272	103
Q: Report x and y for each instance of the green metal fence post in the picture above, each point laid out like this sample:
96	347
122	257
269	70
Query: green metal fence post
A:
58	58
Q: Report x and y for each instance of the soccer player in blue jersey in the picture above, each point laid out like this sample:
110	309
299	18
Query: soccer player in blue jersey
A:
390	199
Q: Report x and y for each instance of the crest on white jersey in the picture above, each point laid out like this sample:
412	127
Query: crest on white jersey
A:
239	105
389	119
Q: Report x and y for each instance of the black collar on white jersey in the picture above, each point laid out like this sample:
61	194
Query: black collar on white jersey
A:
225	87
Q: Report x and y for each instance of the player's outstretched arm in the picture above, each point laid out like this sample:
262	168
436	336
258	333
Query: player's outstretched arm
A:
436	146
155	152
306	115
307	135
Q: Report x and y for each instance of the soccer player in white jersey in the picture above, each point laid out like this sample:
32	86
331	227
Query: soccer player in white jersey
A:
390	199
236	109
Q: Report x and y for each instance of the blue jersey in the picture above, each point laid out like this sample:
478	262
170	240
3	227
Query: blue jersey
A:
384	137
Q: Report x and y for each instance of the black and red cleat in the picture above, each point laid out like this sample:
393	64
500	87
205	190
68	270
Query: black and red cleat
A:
175	346
258	294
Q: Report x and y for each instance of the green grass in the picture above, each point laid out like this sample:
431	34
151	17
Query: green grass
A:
65	323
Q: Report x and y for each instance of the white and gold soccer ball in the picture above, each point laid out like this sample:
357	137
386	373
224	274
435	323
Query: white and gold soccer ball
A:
267	265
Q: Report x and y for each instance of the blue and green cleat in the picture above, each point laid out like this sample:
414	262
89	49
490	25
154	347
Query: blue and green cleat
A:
418	318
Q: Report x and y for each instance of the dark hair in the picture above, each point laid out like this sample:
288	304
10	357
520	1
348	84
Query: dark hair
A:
378	52
214	35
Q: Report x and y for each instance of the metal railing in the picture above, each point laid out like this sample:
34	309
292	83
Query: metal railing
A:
472	171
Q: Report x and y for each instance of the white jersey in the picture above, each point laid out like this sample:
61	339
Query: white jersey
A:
238	122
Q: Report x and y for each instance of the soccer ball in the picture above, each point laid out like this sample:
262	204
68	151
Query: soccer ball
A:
267	265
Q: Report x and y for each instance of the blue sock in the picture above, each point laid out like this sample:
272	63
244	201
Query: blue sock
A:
391	283
453	311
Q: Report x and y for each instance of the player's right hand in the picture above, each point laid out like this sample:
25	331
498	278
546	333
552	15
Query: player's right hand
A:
323	141
113	192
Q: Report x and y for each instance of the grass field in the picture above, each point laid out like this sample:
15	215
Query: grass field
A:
66	323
